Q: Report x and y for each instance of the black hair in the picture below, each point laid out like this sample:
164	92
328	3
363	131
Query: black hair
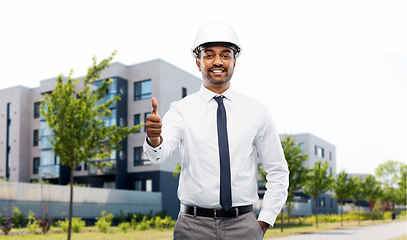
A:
203	46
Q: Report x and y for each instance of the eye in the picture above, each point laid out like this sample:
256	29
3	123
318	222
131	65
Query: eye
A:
227	56
208	55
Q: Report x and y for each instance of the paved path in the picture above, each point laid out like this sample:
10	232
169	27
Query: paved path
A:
375	232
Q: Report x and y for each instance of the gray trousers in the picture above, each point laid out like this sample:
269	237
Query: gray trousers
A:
242	227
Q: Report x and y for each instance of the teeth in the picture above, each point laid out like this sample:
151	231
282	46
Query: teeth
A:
218	71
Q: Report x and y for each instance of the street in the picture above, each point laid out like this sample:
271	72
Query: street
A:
375	232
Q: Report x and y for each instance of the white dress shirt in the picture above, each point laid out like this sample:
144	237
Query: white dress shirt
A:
191	124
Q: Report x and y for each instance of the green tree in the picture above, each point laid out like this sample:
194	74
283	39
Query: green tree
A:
177	170
79	132
298	172
372	191
389	174
342	189
318	182
403	185
356	191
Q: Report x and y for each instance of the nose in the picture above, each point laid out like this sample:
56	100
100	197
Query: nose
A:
217	61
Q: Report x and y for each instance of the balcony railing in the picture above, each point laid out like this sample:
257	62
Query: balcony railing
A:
107	98
49	171
45	142
95	170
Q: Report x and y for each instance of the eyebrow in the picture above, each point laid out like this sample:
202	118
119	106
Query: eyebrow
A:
210	50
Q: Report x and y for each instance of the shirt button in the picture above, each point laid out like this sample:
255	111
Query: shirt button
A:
155	150
157	159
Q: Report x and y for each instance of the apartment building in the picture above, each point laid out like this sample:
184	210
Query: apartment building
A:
317	149
26	152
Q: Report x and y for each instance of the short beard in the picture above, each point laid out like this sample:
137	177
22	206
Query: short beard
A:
209	78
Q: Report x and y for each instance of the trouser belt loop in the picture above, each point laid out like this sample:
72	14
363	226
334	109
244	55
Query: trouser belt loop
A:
214	213
195	209
237	212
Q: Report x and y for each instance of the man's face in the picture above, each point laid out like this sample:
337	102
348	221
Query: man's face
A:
217	65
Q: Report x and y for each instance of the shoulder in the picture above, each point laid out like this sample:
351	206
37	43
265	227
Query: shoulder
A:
186	102
249	102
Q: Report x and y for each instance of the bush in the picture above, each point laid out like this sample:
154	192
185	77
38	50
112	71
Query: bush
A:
18	217
145	224
124	226
104	222
77	224
166	222
32	224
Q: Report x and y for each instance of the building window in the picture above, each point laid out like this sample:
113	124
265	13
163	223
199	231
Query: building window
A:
331	203
79	167
36	165
37	110
35	142
109	185
142	90
261	185
322	202
140	157
184	92
320	152
149	185
301	145
137	185
260	165
330	156
330	170
137	120
145	119
316	150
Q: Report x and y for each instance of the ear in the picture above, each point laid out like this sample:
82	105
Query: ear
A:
234	62
198	63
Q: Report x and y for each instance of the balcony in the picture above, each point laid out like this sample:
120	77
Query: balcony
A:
95	170
107	98
45	142
49	171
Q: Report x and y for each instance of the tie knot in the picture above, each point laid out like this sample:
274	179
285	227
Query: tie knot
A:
219	99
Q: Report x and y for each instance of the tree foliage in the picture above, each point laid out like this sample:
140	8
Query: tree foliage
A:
391	173
79	133
356	191
403	185
342	189
298	172
372	190
318	182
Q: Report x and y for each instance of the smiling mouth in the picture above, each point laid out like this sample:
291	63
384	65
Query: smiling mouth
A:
218	71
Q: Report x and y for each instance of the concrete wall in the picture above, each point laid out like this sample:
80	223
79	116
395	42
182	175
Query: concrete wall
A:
87	202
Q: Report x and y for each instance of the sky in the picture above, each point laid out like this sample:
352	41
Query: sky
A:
335	69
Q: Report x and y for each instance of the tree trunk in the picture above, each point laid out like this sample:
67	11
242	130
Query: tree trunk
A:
341	213
288	213
358	212
282	218
392	211
316	210
70	204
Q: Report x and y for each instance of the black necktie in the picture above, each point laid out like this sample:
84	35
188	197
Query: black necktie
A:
225	186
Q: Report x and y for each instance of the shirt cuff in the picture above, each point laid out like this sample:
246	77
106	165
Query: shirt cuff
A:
152	153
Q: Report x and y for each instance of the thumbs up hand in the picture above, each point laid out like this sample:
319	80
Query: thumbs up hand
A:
153	125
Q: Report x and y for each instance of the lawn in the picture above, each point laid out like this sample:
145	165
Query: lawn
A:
90	233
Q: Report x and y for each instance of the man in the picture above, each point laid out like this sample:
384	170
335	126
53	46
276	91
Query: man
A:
219	132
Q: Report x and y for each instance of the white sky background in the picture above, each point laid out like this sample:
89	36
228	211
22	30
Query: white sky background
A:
336	69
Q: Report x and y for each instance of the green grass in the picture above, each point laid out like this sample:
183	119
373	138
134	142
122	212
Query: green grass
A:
404	237
91	233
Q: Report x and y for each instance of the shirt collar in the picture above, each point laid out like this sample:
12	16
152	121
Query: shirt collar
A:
207	94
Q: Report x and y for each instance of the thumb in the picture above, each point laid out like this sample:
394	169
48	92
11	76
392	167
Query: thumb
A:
155	106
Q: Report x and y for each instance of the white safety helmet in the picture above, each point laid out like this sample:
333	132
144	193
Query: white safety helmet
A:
216	32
